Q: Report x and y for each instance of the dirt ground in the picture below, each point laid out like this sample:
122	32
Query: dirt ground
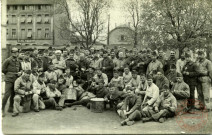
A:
84	121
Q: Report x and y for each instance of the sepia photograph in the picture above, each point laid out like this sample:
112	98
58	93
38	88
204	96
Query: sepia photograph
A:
106	66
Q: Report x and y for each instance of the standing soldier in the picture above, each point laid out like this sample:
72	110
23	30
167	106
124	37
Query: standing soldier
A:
203	87
190	74
107	66
10	68
170	61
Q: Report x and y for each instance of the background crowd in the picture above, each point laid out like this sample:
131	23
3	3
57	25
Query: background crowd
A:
140	85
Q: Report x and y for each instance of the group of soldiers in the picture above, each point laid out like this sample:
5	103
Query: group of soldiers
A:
138	85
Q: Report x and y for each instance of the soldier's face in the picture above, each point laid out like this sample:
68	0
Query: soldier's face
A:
159	75
160	53
99	72
179	79
67	71
105	55
60	81
112	54
201	56
26	76
166	92
41	79
65	53
149	81
143	79
116	75
188	59
71	55
172	54
126	70
14	54
154	57
134	76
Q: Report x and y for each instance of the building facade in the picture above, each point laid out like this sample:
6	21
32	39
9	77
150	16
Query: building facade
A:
121	36
30	22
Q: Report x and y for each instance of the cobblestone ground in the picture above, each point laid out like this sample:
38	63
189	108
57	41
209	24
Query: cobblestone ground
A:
83	120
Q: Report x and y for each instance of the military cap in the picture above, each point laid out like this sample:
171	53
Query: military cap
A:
187	55
165	86
200	52
149	76
179	74
134	72
13	50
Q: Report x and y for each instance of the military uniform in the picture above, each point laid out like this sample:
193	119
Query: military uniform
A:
10	68
203	87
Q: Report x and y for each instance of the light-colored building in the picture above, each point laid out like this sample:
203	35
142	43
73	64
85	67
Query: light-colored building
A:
30	22
121	36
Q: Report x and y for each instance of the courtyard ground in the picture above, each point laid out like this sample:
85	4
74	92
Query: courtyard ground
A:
84	121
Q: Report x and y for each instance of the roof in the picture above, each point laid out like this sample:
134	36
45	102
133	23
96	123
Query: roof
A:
29	2
121	27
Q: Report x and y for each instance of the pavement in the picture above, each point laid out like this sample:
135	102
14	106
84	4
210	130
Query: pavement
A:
83	121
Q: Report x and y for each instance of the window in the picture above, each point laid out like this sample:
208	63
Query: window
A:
122	37
14	19
22	33
13	33
47	33
46	19
7	32
48	6
29	19
15	7
8	8
30	7
7	19
39	19
39	7
38	33
23	7
29	33
23	18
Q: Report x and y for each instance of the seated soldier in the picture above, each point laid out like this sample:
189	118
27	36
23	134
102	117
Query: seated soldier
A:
152	93
23	92
134	82
130	110
127	76
98	89
50	74
53	92
34	74
39	87
82	97
161	80
164	107
142	87
69	94
115	97
62	87
100	76
117	81
171	75
181	91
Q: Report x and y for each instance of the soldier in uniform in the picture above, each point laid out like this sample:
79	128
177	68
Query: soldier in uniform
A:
190	74
10	68
203	86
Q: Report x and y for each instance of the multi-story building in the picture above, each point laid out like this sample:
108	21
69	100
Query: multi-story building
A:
30	22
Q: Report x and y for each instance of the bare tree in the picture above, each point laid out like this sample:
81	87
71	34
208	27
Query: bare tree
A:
133	10
86	22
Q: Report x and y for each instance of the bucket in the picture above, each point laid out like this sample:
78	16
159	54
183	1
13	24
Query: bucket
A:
97	105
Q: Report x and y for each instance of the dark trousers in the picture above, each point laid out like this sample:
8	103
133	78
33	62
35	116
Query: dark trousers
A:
191	100
136	115
9	92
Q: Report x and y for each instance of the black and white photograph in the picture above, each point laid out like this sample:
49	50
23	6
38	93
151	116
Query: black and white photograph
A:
106	66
